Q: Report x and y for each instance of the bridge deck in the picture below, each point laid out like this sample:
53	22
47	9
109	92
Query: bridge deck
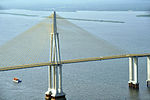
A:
72	61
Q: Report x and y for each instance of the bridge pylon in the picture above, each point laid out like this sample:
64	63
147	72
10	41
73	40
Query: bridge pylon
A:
55	91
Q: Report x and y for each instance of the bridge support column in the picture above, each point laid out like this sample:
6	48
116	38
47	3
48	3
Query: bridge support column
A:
133	72
55	91
135	82
148	71
130	71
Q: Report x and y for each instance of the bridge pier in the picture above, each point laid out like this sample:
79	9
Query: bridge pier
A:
55	91
135	82
133	72
130	71
148	71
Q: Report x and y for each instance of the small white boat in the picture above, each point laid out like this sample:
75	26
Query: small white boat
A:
16	80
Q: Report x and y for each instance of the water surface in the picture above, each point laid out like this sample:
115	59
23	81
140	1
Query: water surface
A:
103	80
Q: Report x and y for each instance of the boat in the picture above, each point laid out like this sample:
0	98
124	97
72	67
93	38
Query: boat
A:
16	80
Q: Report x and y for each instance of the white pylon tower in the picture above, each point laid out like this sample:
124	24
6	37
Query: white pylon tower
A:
55	72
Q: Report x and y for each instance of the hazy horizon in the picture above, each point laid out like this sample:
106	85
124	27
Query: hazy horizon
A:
70	5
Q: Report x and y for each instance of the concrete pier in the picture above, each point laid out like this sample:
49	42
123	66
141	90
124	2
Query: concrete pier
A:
133	72
55	98
130	71
135	82
55	91
148	71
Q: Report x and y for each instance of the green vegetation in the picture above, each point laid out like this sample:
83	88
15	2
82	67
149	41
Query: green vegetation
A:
18	14
143	15
93	20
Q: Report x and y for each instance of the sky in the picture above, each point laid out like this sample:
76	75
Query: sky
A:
76	4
